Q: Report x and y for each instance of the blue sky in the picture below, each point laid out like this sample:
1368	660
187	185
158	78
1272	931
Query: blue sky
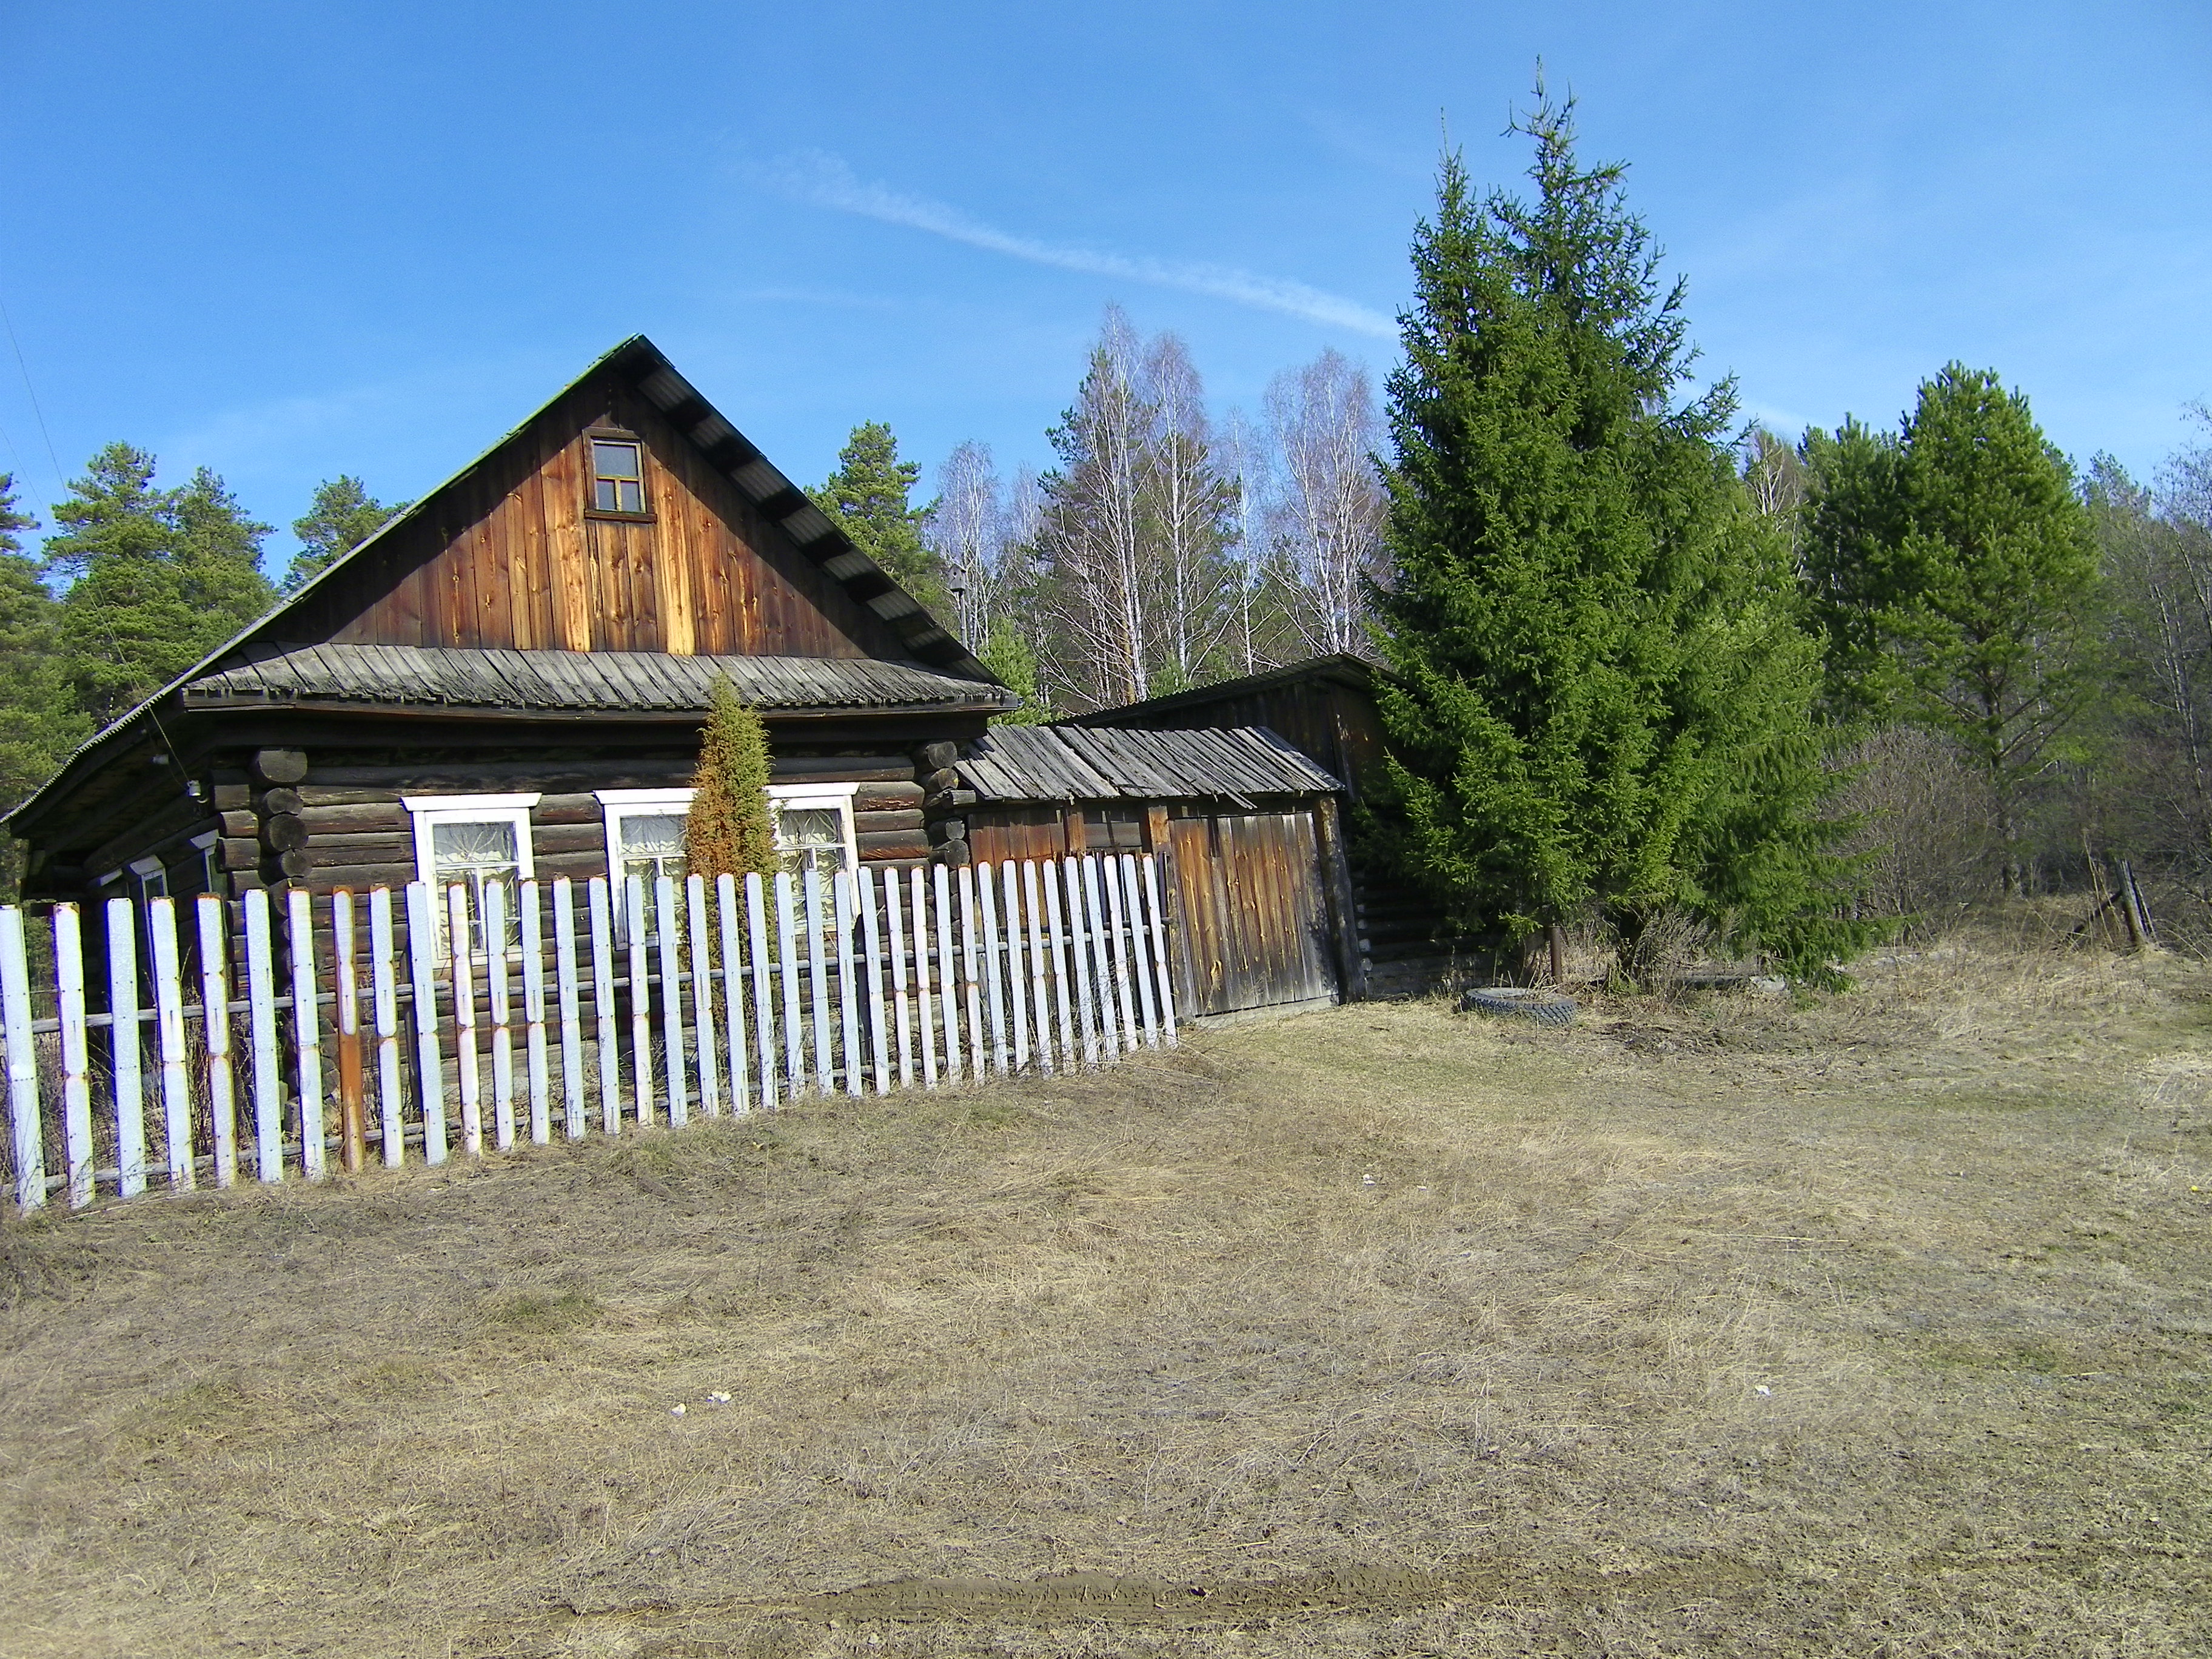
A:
287	242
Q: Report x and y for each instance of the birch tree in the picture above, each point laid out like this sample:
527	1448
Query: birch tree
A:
1328	513
1186	522
966	531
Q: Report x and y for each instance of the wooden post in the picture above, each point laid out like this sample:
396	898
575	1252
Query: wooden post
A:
384	993
353	1119
422	959
1343	909
76	1057
1556	936
125	1048
2123	891
214	1016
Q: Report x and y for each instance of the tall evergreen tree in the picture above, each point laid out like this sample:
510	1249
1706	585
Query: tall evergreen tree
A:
1602	690
343	516
158	578
869	498
1957	572
39	721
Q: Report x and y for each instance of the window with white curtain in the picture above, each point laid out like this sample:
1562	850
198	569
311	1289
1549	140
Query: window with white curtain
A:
470	842
814	826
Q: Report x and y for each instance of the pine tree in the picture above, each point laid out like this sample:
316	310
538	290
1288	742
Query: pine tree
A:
729	831
1957	573
868	497
343	516
39	721
159	577
1602	690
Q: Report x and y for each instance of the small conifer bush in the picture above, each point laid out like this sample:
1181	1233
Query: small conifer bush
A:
729	831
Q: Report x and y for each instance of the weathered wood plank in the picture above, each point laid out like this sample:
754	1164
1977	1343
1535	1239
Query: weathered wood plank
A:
261	1011
26	1131
383	1000
215	1013
533	1013
464	1019
125	1048
306	1033
421	957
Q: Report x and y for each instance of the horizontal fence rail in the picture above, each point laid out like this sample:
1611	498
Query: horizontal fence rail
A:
390	1026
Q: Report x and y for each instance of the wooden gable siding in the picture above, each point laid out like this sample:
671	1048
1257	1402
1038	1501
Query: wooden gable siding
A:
508	558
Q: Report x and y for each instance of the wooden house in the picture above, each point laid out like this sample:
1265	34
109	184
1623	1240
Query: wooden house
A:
509	679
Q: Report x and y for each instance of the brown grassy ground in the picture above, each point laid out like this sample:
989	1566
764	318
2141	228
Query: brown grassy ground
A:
1876	1325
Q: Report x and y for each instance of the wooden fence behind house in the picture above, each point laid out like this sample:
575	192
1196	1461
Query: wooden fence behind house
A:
379	1025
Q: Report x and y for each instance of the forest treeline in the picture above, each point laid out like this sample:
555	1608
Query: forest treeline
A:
1642	659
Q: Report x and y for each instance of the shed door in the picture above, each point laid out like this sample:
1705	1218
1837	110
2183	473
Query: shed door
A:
1251	924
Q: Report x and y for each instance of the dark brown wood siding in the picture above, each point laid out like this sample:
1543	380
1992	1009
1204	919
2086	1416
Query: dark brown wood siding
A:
1251	920
508	557
1322	716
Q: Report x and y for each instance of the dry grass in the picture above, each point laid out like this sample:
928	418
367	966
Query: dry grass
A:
1875	1324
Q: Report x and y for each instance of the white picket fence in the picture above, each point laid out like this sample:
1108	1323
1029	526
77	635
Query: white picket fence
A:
734	997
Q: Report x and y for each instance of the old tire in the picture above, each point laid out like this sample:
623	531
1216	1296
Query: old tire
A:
1518	1002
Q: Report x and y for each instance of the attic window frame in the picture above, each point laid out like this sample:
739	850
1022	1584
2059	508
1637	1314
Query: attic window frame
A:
609	434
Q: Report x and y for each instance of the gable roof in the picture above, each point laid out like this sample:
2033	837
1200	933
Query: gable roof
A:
639	363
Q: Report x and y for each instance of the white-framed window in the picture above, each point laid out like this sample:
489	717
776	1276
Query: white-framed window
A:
645	839
211	868
151	878
814	826
466	840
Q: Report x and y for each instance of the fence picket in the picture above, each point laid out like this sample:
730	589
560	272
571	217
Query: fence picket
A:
533	1013
169	1028
841	895
1051	881
863	896
1160	950
76	1058
215	1010
464	1020
1040	992
787	905
261	1013
1078	941
1134	897
566	990
763	1011
124	1050
421	962
22	1064
703	995
733	995
895	929
640	1001
502	1024
1109	877
1017	984
918	894
599	902
307	1030
383	1000
986	894
1102	962
948	988
673	1067
817	985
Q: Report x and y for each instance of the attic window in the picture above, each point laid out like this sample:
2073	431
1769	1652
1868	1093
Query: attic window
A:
617	478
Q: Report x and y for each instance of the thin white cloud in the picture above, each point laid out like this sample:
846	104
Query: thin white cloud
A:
825	180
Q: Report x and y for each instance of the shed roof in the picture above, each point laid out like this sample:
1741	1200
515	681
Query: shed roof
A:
595	682
1016	763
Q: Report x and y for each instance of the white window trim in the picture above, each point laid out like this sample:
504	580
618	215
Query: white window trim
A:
204	845
615	805
430	811
838	796
146	867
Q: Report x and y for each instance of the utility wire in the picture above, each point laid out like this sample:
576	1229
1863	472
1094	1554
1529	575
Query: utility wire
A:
27	386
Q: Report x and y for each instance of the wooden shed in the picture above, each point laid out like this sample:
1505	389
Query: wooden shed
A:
1245	827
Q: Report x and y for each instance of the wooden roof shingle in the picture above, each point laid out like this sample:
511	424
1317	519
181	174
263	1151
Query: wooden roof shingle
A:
1020	763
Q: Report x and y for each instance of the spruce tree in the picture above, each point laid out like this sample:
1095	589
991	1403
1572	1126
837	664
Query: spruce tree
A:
868	497
1600	690
728	831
